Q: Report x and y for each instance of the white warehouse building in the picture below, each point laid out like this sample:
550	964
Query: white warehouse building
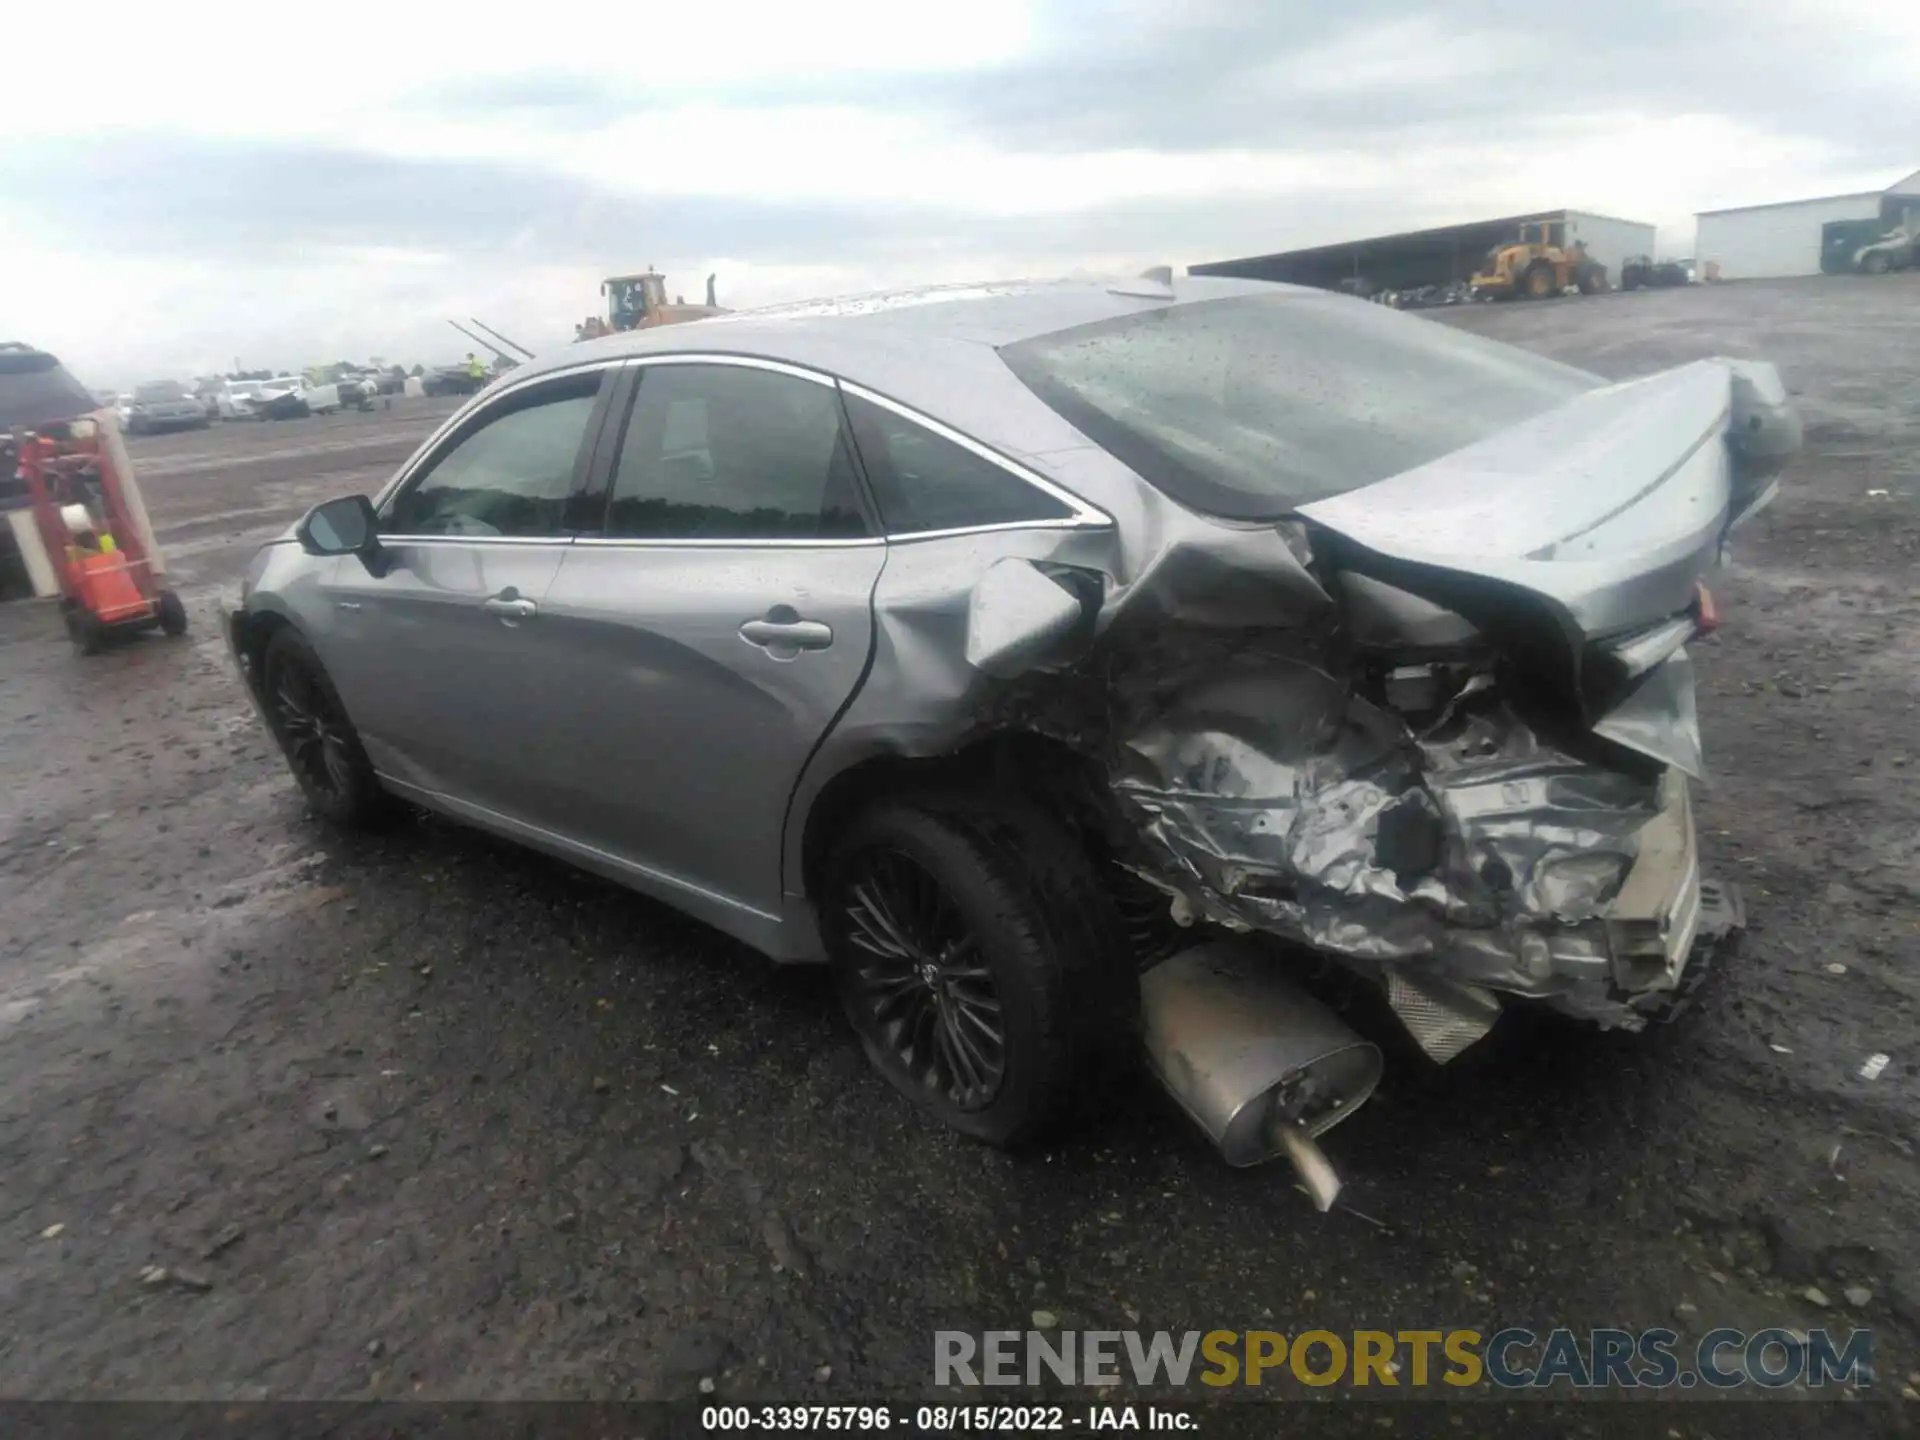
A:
1801	237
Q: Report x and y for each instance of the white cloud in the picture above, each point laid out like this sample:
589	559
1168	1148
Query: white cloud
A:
901	142
301	72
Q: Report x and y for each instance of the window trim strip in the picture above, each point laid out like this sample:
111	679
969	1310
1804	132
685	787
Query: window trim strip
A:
1085	516
465	412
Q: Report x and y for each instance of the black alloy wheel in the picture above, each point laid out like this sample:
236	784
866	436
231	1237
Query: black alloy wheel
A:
312	729
921	981
322	748
980	961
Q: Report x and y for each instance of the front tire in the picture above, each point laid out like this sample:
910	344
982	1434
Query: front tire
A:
980	962
1877	264
322	748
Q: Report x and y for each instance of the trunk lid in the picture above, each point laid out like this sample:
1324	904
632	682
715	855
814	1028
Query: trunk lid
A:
1577	540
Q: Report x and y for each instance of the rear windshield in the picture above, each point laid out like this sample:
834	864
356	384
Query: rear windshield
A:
1250	406
160	390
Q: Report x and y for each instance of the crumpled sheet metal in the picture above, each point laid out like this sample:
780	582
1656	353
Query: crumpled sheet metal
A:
1280	801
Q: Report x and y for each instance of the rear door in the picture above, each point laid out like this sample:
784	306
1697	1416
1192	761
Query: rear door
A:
443	659
716	626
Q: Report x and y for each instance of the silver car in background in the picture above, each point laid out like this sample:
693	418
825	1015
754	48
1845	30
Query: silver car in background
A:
1070	665
163	405
235	400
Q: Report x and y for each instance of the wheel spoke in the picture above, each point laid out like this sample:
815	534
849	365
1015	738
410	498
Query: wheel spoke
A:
864	936
314	733
982	1011
333	752
922	1029
873	910
978	1071
923	991
948	1071
965	1071
987	1064
890	996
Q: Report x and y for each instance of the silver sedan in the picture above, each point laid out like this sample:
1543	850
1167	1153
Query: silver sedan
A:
1072	666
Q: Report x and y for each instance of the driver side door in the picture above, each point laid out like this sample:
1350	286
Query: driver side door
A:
442	659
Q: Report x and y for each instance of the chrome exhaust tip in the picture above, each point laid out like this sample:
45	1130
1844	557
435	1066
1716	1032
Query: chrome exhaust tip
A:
1259	1065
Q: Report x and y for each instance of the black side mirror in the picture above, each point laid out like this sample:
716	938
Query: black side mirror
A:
347	526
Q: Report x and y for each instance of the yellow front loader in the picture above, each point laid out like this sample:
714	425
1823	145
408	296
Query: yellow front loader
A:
1536	268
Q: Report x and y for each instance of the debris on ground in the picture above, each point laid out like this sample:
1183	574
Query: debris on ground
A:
1871	1068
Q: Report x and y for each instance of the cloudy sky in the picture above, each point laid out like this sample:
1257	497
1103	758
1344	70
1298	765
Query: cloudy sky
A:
286	185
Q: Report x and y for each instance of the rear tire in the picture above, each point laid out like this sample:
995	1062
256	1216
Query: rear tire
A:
86	632
172	614
322	748
1876	264
980	962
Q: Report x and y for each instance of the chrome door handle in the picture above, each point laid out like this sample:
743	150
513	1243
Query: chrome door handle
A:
511	607
787	634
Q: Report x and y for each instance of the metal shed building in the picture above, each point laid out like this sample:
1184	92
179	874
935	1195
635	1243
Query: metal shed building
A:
1437	256
1759	242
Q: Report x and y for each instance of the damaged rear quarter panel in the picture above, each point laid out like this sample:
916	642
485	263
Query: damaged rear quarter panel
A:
1257	773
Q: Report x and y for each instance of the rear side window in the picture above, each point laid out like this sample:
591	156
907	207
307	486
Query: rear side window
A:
732	452
510	476
923	481
1249	406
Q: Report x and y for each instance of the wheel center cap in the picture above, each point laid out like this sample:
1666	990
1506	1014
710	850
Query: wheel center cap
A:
929	974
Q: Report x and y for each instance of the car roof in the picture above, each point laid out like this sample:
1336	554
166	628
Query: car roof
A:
933	347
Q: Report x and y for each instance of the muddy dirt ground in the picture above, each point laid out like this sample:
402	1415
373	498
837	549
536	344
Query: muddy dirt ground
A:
427	1116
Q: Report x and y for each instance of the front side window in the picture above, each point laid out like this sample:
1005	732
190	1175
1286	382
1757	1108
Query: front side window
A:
511	476
923	481
1251	406
159	392
729	452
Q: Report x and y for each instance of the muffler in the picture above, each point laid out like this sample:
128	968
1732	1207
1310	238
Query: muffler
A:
1261	1066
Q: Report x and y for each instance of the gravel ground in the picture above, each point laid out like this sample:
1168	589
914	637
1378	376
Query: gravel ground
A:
427	1116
